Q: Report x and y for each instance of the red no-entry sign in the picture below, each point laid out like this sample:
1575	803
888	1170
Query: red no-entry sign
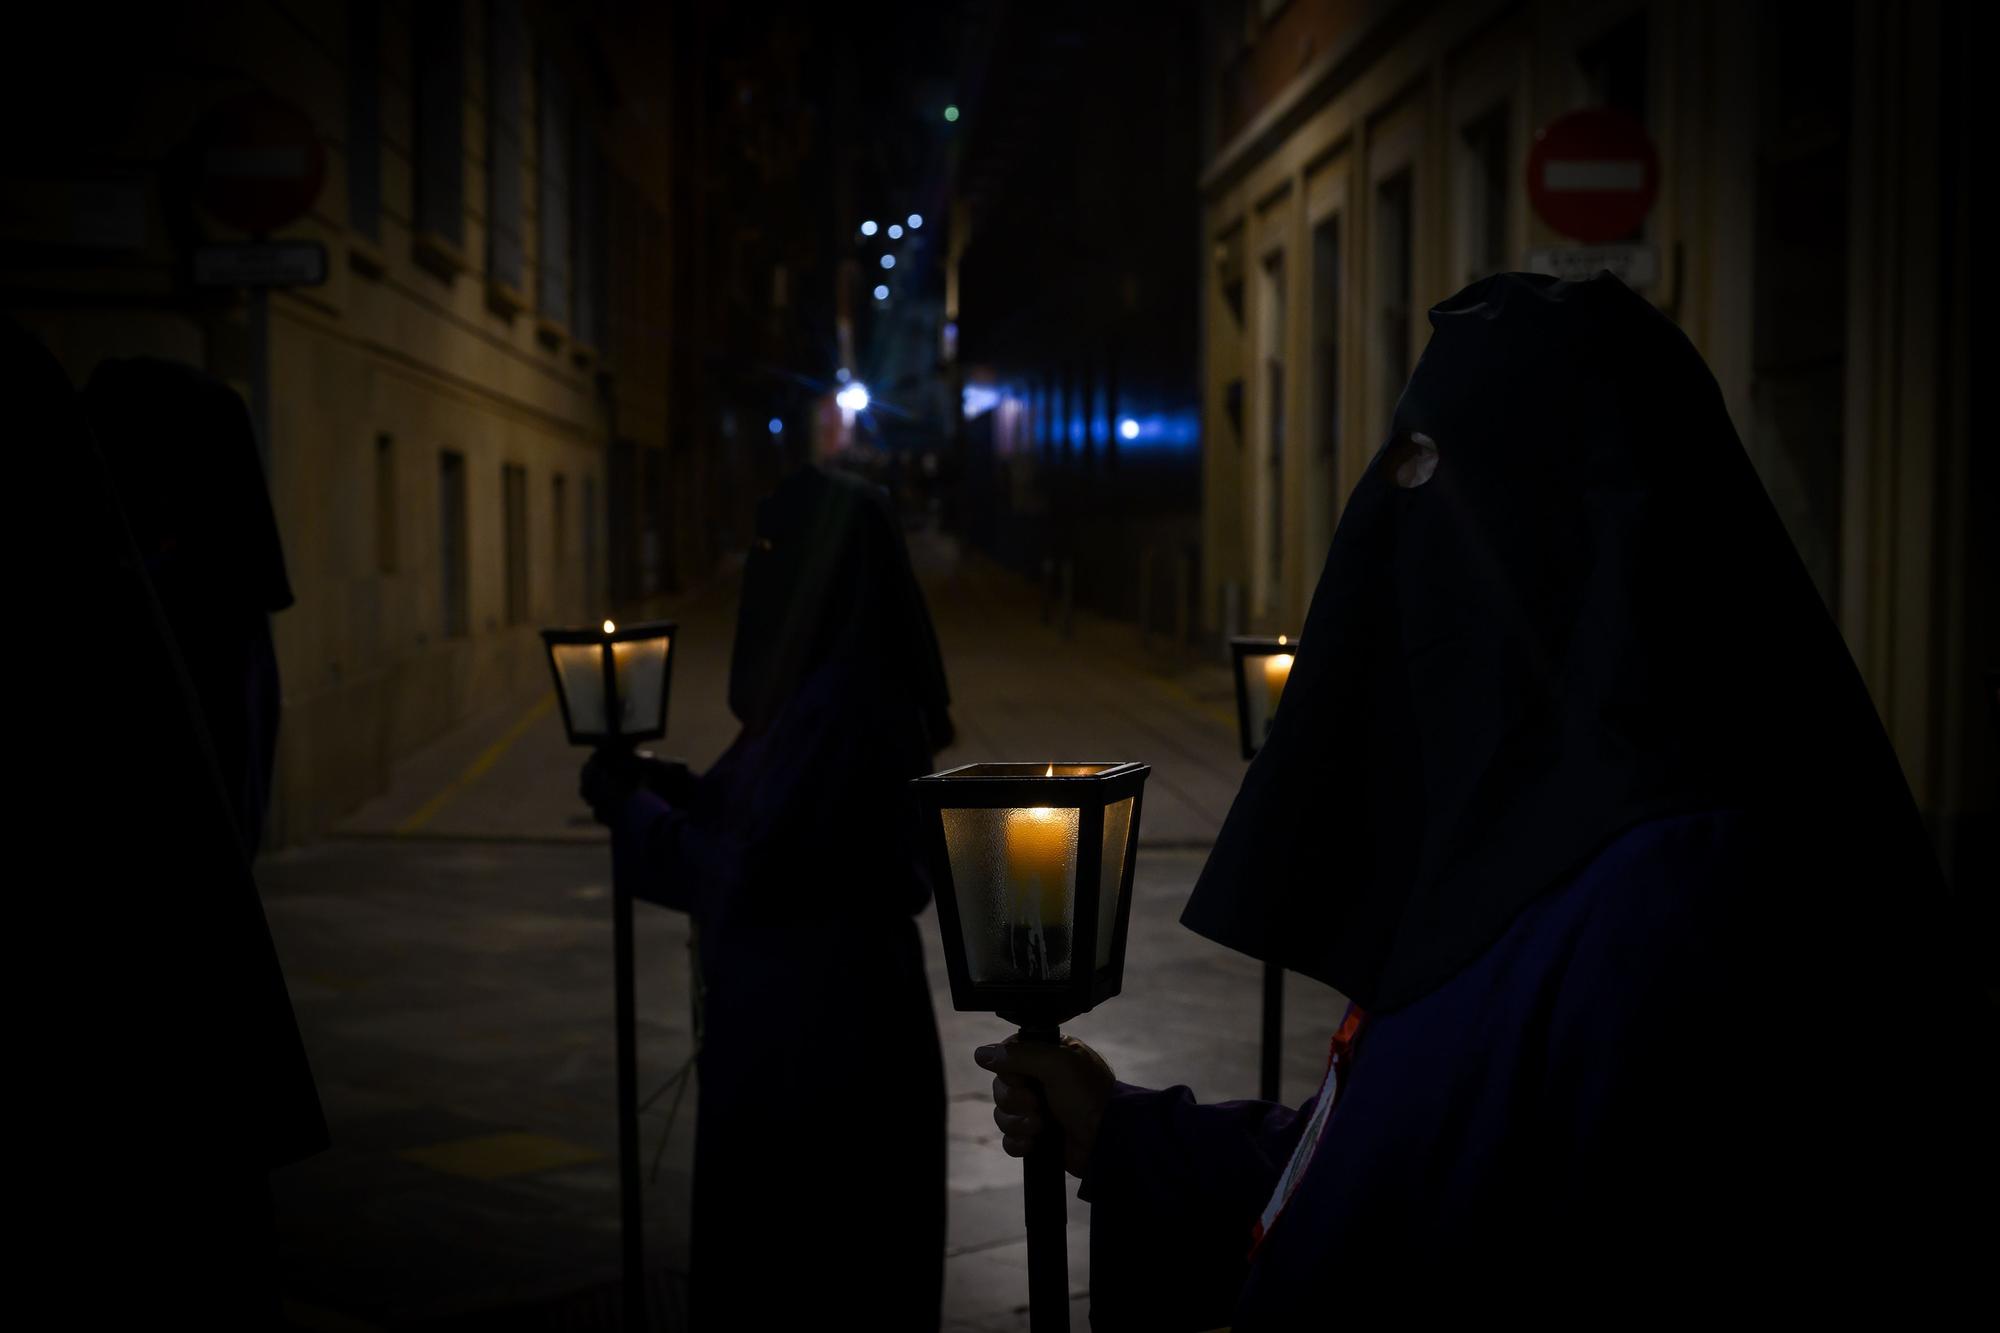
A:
258	163
1593	175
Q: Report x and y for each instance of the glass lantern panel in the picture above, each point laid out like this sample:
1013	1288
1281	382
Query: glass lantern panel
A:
641	667
1014	874
1264	678
1117	832
1027	771
581	666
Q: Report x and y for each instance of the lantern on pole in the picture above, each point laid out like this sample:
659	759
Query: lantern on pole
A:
1263	668
1033	866
613	682
613	686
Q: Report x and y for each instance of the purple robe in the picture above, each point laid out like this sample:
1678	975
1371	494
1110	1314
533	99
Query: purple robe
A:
819	1141
1621	1100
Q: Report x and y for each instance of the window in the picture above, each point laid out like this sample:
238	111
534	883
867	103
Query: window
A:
653	521
505	95
559	518
1271	359
385	504
439	59
621	493
552	150
1613	70
457	618
1325	375
514	513
1484	177
587	240
1393	279
364	119
590	584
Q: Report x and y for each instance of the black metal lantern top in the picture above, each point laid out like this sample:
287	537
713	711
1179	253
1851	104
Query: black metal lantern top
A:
1033	865
613	682
1262	667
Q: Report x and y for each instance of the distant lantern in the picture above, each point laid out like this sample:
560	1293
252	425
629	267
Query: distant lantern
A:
888	261
777	426
1128	429
895	231
613	682
916	220
854	398
951	113
868	228
1263	667
881	291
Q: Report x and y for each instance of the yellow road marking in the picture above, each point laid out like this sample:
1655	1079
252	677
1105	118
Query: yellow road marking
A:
479	766
496	1156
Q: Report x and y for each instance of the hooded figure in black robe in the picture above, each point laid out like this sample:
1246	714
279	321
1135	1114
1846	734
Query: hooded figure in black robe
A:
161	1070
796	856
1575	793
184	460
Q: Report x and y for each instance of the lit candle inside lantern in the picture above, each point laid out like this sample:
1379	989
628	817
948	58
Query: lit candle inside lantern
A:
1277	670
637	668
1038	852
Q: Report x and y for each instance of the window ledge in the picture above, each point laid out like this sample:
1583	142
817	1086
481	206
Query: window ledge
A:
504	298
365	257
437	254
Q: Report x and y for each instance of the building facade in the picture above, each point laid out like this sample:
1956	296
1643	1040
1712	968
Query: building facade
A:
1811	235
469	422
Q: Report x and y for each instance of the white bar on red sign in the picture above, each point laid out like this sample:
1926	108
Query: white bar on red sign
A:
1594	174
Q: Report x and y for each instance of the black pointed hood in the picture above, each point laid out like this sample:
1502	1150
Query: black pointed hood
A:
829	577
1587	616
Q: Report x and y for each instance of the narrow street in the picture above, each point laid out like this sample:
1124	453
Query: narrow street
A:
449	956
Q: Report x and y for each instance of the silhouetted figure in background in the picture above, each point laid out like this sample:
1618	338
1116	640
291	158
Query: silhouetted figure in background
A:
796	856
1577	796
162	1076
184	460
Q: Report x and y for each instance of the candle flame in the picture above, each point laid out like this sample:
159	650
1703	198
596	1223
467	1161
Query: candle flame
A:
610	628
1281	638
1051	773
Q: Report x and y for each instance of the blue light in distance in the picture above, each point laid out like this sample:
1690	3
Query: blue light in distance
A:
1170	432
895	231
868	228
881	291
777	426
854	398
888	261
951	113
916	220
980	399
